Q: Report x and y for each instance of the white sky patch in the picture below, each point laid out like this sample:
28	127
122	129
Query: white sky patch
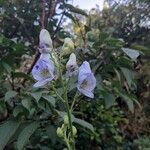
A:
88	4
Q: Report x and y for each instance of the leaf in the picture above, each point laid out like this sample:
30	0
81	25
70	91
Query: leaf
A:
133	54
7	67
50	99
9	95
51	132
26	103
129	102
7	130
76	10
84	124
109	100
17	110
128	74
25	135
36	95
62	114
70	16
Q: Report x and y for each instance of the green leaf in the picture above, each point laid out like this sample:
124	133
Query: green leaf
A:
7	130
36	95
51	132
17	110
70	16
50	99
84	123
76	10
109	100
25	135
27	103
7	67
62	114
129	101
129	75
9	95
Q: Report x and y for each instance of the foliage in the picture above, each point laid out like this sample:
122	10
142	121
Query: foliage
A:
32	118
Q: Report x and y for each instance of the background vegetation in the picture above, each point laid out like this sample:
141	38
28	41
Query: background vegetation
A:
118	117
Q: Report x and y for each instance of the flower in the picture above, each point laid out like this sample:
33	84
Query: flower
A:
45	45
86	80
71	66
43	71
68	47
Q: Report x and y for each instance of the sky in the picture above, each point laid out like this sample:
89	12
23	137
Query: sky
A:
88	4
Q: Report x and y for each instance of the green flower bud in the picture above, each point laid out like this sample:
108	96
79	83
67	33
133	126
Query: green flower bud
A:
68	47
60	132
74	130
66	120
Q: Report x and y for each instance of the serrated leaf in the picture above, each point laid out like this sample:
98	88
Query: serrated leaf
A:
36	95
50	99
9	95
26	103
7	130
84	124
25	135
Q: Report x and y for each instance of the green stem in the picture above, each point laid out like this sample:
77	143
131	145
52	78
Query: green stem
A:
70	124
73	102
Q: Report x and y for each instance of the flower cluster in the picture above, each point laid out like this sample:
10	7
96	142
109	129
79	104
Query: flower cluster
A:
43	71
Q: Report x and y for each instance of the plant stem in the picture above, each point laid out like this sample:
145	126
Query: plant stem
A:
70	124
73	102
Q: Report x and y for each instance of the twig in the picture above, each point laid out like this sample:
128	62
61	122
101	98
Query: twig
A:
52	6
59	23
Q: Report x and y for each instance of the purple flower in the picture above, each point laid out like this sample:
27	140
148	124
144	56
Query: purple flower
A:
43	71
71	66
86	80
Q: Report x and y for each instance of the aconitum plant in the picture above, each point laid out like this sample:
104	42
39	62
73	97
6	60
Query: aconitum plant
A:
49	67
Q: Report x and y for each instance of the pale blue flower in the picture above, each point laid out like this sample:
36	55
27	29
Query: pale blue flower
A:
71	66
43	71
86	80
45	45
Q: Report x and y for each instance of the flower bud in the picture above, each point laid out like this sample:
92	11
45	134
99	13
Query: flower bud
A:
66	120
60	132
68	47
74	130
45	45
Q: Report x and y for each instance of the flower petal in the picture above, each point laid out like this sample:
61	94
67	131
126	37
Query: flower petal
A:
86	80
42	82
84	68
71	66
45	39
72	61
86	93
44	63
